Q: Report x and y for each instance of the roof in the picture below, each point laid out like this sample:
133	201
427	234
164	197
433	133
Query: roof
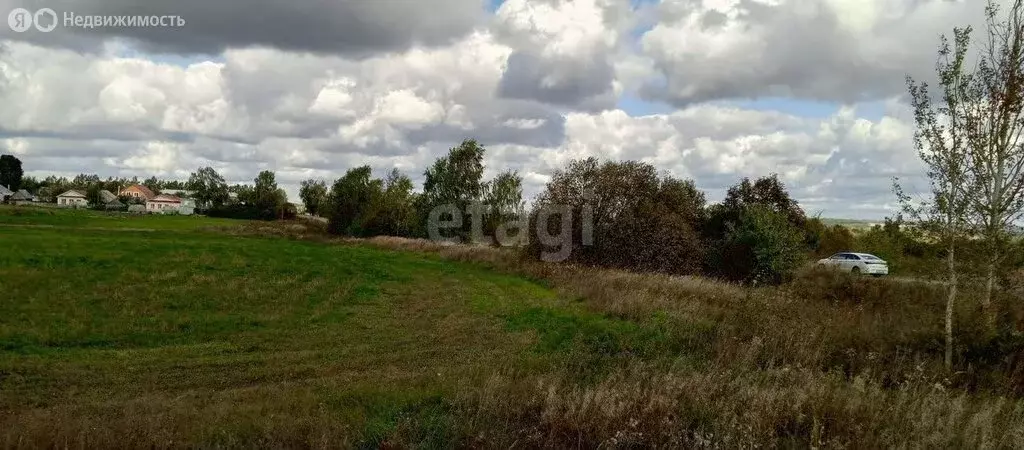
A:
144	190
107	196
72	193
165	198
22	195
4	191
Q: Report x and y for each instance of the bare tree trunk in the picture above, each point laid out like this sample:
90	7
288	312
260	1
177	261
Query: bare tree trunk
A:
986	301
950	304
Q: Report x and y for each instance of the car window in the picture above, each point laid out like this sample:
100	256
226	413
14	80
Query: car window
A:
854	257
872	258
846	256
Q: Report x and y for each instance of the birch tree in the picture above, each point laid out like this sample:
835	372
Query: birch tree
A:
994	124
942	144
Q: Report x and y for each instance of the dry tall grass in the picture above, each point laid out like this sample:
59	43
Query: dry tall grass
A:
722	408
828	360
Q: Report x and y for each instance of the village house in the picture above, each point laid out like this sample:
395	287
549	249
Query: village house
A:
22	197
72	199
4	193
188	204
137	191
164	204
110	201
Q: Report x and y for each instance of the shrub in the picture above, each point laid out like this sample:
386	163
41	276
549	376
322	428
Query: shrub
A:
364	206
835	239
243	212
763	247
768	192
289	212
638	220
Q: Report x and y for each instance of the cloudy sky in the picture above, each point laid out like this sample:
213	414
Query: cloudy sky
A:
712	90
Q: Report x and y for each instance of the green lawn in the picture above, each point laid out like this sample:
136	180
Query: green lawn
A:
205	337
81	218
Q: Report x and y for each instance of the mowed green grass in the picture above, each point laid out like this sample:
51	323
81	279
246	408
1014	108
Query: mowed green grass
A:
186	337
57	218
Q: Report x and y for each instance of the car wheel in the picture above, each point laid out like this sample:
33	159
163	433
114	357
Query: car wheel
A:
855	270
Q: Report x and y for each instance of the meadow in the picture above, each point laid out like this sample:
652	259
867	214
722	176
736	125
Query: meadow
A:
173	332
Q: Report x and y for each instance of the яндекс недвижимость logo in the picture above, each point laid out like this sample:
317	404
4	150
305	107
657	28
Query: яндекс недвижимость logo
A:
45	20
21	19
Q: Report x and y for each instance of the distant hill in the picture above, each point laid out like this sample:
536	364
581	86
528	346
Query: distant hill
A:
853	224
864	225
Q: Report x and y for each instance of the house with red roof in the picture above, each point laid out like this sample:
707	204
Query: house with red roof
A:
137	191
163	203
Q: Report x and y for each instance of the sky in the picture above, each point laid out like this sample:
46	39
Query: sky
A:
711	90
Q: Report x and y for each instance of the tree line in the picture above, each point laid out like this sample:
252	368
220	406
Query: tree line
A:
359	205
262	199
617	214
968	134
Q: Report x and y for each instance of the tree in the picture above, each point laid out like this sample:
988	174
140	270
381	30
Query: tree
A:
732	258
153	184
823	240
619	214
942	142
264	192
93	195
31	184
352	201
244	193
83	181
174	184
504	199
314	196
281	206
208	187
394	210
53	186
763	247
768	191
992	116
10	172
455	180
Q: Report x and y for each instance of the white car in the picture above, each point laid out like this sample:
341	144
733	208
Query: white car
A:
857	263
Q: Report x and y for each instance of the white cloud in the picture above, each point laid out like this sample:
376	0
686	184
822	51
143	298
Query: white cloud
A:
842	50
538	83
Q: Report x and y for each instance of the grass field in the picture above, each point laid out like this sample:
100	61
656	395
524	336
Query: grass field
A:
215	333
81	218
